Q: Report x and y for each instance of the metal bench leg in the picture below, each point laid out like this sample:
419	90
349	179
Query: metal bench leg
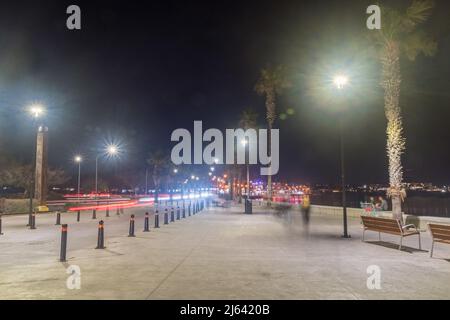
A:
401	242
431	251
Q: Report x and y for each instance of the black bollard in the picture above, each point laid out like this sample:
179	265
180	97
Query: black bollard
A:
184	211
58	219
33	220
107	212
166	217
101	236
121	210
94	214
172	215
189	209
118	212
146	226
131	231
78	215
62	254
178	213
194	207
1	225
156	219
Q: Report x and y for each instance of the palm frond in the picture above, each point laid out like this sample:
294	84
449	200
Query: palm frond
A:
417	13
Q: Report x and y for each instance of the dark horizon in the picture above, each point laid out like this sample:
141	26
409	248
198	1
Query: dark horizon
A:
136	71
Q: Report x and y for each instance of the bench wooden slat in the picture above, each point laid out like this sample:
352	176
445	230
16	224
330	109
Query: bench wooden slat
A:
439	226
442	236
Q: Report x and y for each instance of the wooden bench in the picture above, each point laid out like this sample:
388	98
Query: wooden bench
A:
439	233
391	226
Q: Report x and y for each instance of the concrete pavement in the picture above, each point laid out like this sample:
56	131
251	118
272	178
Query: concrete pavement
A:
217	254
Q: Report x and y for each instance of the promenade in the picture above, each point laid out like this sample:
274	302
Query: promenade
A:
216	254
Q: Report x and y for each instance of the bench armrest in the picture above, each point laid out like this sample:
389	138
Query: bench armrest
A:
410	226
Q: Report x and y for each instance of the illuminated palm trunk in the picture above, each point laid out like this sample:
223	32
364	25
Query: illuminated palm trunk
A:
270	116
391	81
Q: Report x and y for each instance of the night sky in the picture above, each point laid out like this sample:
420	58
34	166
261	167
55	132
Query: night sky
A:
138	70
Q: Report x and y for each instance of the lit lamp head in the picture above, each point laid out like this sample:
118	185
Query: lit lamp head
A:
78	159
340	81
175	170
36	110
112	150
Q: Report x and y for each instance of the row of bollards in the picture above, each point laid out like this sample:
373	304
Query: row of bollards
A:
196	207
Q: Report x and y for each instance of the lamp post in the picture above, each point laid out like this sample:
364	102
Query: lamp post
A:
340	81
38	180
78	160
110	150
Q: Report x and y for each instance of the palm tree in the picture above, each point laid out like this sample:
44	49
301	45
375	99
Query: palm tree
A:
399	35
249	119
158	160
272	82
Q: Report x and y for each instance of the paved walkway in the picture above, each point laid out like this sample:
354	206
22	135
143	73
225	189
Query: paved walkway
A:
217	254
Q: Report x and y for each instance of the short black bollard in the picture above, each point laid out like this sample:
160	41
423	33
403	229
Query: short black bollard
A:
94	214
189	209
156	219
101	236
1	225
146	226
184	211
166	217
78	215
172	215
131	231
178	213
107	212
121	210
33	220
194	207
118	211
58	219
62	254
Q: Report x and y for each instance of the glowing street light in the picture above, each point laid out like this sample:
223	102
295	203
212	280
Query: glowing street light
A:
340	81
36	110
212	169
175	170
78	159
110	150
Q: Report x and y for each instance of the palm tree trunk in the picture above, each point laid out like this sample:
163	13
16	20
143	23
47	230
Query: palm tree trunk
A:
391	81
269	177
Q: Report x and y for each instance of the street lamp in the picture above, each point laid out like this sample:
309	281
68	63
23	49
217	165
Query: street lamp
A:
110	150
36	111
78	160
340	81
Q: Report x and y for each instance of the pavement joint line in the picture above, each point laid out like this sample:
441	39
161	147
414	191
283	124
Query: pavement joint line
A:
176	267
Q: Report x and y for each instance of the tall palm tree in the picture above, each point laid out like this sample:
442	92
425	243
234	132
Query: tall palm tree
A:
399	34
249	119
158	160
271	83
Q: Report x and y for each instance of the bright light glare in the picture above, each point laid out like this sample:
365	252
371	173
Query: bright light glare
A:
36	110
244	142
112	150
212	168
175	170
78	159
340	81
